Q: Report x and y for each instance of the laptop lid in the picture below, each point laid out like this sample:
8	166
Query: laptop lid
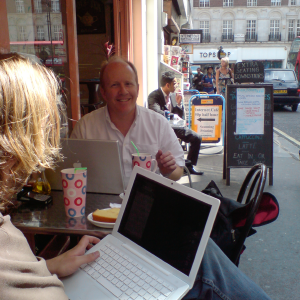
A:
102	159
166	222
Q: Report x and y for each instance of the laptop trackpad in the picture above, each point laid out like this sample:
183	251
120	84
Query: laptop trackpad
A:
80	287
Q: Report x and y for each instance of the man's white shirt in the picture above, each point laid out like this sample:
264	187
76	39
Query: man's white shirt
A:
150	132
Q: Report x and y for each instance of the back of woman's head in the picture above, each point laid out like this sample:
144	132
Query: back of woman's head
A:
29	118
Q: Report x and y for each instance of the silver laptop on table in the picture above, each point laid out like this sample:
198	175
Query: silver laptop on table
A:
102	159
156	246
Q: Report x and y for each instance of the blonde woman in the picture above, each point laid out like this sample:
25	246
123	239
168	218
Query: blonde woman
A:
223	76
29	139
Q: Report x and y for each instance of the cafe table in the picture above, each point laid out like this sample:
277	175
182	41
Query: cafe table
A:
52	219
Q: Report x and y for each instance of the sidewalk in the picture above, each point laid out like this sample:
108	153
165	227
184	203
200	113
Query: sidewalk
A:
272	258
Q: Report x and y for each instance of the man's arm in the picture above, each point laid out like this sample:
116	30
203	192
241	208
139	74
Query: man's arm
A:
153	103
178	107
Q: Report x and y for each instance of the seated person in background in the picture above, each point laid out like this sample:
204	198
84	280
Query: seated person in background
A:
163	99
208	81
31	118
123	120
29	140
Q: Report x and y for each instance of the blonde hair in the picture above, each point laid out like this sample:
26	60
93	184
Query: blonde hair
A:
226	59
30	112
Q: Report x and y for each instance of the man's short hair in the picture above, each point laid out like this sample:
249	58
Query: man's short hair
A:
114	59
166	77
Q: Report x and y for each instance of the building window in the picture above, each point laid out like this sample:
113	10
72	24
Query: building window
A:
204	25
227	3
298	28
40	33
57	33
293	2
55	5
274	30
22	33
275	2
38	6
204	3
251	2
251	30
291	32
20	6
227	33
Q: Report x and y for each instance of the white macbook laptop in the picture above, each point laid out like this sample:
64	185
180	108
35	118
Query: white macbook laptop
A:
102	159
156	246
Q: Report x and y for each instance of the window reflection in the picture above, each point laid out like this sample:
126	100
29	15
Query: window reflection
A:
36	28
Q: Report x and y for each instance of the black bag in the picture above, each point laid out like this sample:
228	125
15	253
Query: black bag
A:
231	218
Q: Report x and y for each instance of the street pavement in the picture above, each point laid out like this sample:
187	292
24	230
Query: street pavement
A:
271	258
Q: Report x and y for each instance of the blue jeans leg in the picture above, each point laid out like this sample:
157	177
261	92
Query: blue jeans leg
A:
218	278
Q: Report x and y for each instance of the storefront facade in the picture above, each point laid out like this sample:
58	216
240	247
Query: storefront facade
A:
272	57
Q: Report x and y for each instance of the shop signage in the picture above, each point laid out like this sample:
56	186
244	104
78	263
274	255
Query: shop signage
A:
212	54
249	71
190	36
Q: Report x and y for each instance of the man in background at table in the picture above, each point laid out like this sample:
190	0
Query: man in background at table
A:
163	99
123	120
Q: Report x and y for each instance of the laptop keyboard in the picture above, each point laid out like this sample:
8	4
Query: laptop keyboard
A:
125	278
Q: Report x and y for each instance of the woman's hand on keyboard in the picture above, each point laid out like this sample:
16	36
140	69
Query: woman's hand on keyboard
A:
68	262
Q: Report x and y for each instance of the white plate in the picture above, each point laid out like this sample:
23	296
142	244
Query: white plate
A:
100	224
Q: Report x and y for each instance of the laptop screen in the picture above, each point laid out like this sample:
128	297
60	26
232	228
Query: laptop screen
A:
165	222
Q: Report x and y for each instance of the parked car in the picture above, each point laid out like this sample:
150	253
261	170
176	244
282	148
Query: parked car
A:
285	87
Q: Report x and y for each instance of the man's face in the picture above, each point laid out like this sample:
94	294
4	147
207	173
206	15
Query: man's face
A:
209	70
120	89
173	85
198	70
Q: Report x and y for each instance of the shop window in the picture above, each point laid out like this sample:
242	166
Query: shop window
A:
251	30
251	2
274	30
57	33
291	31
227	33
55	6
204	3
20	6
227	3
40	33
275	2
293	2
38	6
298	28
204	25
22	33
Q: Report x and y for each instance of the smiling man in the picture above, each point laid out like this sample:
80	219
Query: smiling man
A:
123	120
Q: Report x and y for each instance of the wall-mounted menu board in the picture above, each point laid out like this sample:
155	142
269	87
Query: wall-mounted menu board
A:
249	127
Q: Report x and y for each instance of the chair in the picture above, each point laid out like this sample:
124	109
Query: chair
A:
235	219
89	107
257	178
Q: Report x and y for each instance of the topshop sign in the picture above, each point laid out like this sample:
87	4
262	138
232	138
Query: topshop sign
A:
211	54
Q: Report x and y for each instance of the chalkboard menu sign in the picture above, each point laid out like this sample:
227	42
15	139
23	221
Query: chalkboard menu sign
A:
249	71
249	127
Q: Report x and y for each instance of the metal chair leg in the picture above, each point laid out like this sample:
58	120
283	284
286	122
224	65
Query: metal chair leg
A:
189	176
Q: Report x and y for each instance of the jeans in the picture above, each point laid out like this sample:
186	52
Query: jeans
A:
218	278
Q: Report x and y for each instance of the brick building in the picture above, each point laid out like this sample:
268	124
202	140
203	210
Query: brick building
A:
246	29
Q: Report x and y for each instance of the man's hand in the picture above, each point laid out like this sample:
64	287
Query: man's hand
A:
166	162
167	165
67	263
178	98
